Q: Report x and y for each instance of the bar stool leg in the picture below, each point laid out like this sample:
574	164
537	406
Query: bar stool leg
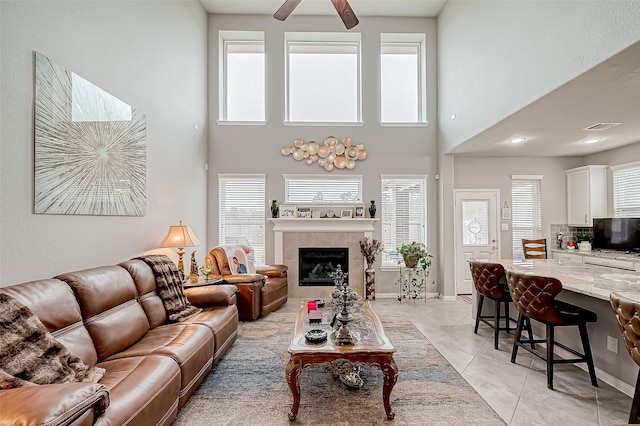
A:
507	318
496	320
635	405
516	339
530	331
584	336
550	342
480	302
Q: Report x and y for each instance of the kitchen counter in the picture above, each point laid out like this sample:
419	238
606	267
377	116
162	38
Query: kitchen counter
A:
590	280
606	254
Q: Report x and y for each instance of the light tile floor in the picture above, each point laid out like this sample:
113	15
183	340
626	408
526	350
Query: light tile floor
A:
517	392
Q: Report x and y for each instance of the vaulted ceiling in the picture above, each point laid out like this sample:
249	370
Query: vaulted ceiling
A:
556	122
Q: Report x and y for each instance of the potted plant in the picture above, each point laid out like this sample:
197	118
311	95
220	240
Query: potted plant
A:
413	254
584	242
418	261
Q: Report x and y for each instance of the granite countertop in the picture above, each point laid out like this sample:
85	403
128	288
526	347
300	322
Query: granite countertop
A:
607	254
590	280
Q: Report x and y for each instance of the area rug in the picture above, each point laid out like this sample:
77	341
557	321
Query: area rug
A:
248	386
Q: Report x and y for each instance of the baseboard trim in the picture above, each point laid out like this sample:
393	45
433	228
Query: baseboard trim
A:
612	381
395	296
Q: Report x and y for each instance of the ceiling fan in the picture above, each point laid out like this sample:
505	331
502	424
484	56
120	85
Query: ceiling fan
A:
342	7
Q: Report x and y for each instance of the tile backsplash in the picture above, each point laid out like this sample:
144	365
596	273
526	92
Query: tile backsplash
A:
569	233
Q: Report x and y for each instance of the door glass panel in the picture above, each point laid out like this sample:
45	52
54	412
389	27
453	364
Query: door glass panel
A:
475	222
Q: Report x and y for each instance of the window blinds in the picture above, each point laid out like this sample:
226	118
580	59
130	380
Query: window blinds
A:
404	214
241	212
319	189
626	190
526	212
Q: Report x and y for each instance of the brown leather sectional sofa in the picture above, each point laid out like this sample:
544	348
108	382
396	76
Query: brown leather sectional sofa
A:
111	317
259	293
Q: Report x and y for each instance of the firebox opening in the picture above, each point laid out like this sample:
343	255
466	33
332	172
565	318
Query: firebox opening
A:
315	264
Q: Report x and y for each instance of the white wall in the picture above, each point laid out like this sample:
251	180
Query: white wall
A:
496	57
483	172
151	55
256	149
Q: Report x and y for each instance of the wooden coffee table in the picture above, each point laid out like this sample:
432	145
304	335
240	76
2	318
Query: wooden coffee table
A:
371	347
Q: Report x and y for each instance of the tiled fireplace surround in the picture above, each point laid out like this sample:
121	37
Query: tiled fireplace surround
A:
291	234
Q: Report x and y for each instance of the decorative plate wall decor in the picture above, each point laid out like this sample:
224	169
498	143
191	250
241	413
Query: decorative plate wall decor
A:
331	154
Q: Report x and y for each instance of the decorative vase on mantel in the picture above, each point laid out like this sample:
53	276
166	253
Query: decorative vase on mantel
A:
274	208
372	209
370	283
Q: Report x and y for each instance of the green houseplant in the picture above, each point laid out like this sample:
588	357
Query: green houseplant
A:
418	261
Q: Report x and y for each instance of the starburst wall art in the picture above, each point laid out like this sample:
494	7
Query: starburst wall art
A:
90	147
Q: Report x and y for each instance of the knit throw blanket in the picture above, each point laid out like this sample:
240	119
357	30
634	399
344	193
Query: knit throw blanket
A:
169	288
30	355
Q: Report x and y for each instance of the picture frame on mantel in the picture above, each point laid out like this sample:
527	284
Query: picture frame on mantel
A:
346	213
288	211
358	211
304	212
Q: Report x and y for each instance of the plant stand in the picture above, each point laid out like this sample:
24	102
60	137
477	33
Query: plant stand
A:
409	289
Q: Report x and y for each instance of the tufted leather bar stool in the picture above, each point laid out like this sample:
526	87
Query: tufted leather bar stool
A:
488	279
627	313
534	298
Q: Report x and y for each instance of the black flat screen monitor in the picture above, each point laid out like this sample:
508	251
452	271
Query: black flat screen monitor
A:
620	233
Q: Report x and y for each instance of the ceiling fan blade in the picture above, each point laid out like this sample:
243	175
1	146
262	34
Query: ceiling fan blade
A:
346	13
286	9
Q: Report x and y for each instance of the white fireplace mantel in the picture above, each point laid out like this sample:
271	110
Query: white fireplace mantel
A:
280	226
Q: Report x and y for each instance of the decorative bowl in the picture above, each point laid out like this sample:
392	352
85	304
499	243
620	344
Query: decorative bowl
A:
315	336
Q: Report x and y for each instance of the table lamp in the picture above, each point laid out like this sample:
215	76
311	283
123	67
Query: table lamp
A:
180	236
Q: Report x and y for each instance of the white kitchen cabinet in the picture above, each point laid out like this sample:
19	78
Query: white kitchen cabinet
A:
586	194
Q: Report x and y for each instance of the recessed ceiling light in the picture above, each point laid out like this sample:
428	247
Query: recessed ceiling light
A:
516	140
453	116
590	141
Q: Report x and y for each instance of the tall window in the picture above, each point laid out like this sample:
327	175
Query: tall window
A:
323	77
321	189
526	211
241	211
402	78
404	214
626	190
242	76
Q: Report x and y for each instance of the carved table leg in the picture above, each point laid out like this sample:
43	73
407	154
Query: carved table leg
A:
390	371
293	371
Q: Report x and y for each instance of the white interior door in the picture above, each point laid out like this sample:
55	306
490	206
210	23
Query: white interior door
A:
476	232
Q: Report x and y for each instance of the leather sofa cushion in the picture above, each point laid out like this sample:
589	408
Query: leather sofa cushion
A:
189	345
107	298
223	323
145	283
54	303
142	390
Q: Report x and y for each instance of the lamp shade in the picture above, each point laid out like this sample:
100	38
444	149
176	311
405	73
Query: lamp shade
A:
180	236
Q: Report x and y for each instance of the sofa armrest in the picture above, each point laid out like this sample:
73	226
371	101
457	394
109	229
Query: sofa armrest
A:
223	294
52	405
276	271
243	278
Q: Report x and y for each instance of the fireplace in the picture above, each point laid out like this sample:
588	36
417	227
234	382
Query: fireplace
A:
316	263
292	234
